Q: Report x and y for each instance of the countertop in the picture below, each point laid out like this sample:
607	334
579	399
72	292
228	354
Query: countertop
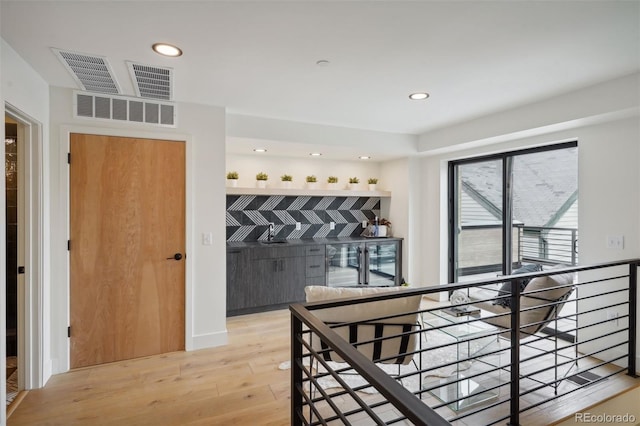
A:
307	242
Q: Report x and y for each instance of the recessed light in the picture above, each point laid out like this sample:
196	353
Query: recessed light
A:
364	157
418	96
260	150
315	154
167	49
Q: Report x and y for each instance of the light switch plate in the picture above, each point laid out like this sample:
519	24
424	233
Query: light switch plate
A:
298	226
332	225
364	223
615	242
207	238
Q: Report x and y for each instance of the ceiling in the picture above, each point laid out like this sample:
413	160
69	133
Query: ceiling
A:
259	58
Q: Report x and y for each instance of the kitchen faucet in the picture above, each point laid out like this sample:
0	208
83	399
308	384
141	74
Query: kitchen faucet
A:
270	234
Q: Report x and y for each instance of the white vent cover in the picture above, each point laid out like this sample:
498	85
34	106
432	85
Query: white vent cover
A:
92	73
120	108
152	82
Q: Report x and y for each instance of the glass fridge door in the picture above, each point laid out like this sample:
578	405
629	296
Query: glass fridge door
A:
343	265
382	265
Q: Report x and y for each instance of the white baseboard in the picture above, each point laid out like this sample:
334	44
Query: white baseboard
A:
47	371
210	340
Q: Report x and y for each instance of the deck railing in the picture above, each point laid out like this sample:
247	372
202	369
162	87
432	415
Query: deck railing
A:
548	245
480	247
506	362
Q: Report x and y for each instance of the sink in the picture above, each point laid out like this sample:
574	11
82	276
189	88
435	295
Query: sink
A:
274	242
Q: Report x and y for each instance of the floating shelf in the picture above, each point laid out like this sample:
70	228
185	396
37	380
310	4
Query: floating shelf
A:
307	192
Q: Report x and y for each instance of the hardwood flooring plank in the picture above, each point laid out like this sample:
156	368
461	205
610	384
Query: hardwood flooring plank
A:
237	384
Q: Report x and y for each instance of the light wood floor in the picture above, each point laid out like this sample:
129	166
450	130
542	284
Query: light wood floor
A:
238	384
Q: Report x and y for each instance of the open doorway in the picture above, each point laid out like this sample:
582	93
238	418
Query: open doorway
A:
11	166
25	226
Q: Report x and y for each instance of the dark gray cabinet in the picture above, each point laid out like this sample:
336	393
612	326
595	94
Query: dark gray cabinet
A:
261	277
271	277
237	267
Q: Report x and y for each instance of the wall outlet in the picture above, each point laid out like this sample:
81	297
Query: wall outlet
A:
207	238
332	225
298	226
615	242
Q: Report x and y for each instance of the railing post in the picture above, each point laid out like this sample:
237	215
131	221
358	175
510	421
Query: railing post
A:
514	408
633	315
296	370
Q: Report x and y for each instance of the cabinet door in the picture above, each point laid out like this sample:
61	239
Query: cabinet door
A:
265	286
276	281
343	265
382	263
294	276
236	264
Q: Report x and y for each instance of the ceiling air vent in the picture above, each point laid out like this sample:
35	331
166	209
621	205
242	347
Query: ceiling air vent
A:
121	108
92	73
152	82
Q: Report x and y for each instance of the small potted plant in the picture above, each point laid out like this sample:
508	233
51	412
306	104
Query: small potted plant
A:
286	181
372	183
332	182
312	182
232	179
261	180
353	183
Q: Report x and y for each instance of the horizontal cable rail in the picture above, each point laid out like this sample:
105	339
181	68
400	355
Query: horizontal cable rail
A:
385	358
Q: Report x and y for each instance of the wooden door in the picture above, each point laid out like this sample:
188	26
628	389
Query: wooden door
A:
127	216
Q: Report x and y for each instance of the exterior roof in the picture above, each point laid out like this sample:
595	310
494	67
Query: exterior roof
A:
545	188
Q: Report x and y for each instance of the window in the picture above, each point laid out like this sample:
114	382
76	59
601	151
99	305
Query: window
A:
511	209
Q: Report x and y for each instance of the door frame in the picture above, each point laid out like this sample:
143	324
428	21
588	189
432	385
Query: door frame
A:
60	332
32	194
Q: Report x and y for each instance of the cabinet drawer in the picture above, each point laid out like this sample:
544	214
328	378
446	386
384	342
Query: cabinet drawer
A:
316	250
273	252
315	266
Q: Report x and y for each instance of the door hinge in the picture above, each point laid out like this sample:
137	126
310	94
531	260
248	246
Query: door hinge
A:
21	269
69	331
68	158
68	245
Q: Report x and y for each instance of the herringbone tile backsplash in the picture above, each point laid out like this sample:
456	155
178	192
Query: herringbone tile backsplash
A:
248	216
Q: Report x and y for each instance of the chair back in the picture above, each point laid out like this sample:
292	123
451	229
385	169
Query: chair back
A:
389	340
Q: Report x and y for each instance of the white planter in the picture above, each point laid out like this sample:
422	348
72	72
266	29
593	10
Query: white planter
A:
332	185
312	185
354	186
372	187
232	183
286	184
261	184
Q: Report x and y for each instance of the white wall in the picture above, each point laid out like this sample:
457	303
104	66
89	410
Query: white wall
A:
599	103
24	90
203	128
402	178
609	185
368	141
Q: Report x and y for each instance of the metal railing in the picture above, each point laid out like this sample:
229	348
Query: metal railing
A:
480	247
547	245
508	362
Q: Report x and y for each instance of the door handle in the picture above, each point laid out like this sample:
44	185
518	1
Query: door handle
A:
177	256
